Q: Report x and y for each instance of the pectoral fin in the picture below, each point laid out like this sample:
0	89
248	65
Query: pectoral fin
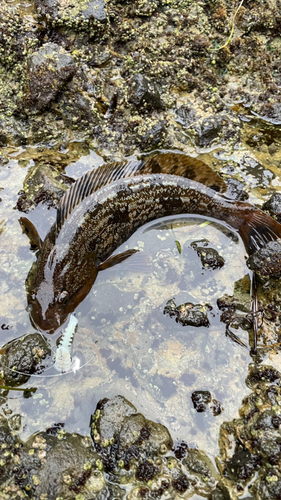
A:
116	259
30	230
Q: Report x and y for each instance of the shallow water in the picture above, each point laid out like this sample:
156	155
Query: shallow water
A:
125	342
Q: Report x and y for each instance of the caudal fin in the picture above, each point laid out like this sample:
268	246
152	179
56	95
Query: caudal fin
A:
258	229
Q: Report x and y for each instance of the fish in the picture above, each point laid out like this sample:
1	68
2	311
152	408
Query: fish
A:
103	208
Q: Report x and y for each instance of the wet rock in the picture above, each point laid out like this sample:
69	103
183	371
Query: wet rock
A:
272	112
64	466
144	93
186	114
22	358
210	257
48	71
255	436
267	261
200	400
73	14
43	184
264	374
16	37
188	314
242	465
151	133
273	206
220	493
236	190
209	130
203	469
121	435
216	407
8	450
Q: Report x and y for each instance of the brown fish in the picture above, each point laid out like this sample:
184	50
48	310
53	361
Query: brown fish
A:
106	206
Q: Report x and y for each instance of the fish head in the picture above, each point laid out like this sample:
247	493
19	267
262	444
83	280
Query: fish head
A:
58	294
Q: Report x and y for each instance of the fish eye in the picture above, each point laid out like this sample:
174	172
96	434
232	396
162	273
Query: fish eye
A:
63	297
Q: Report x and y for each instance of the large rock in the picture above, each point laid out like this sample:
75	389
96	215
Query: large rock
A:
48	71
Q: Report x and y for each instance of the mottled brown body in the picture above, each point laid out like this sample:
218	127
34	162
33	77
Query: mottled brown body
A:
90	232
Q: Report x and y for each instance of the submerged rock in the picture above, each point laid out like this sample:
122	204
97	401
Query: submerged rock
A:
188	314
23	357
200	400
57	464
43	184
210	257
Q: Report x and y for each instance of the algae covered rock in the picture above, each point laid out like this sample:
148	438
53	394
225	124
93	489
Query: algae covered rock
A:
23	357
188	314
273	206
43	184
48	70
124	437
77	14
144	93
250	446
210	257
267	261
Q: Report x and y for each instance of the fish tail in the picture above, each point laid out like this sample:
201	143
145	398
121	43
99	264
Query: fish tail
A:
258	229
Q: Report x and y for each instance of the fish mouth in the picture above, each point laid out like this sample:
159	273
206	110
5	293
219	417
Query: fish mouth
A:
52	321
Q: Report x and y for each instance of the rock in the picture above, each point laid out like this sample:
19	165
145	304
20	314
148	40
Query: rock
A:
209	130
267	261
188	314
73	14
65	466
151	133
210	258
186	115
144	93
142	8
16	37
48	71
121	436
236	190
200	400
273	206
23	357
203	469
43	184
271	112
220	493
8	449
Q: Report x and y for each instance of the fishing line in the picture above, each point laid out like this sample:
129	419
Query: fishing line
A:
49	368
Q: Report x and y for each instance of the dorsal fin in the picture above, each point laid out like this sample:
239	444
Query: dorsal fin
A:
165	163
185	166
92	181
